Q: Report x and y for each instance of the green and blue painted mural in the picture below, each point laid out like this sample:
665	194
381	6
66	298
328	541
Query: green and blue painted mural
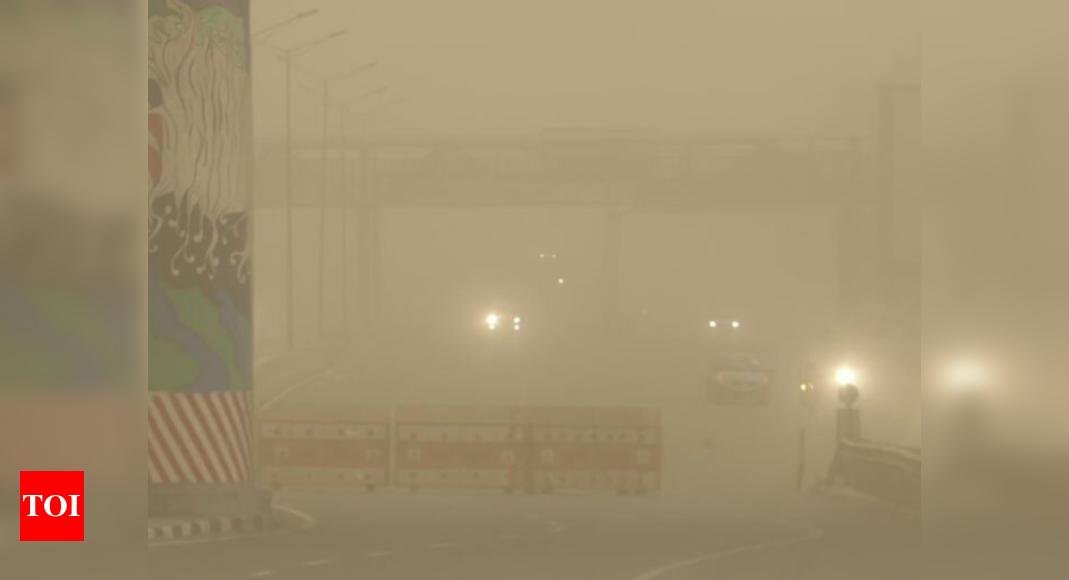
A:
200	150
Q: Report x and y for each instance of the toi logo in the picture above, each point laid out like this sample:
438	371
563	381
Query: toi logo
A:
52	506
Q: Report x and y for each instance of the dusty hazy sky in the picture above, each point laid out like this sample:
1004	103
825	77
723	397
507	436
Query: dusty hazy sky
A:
508	66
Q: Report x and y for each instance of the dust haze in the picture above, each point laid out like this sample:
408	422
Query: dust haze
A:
598	289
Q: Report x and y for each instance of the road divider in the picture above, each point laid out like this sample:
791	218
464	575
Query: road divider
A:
338	447
510	449
178	530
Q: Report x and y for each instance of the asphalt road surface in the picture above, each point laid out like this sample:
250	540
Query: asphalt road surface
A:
708	533
396	536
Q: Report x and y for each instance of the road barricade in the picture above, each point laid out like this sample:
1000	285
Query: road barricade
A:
342	447
594	449
457	447
511	449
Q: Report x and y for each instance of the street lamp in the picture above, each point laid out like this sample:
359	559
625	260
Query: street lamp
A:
287	57
345	179
264	33
363	96
845	376
966	380
327	80
965	377
846	379
848	419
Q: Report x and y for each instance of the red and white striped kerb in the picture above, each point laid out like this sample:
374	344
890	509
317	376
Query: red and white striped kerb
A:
199	438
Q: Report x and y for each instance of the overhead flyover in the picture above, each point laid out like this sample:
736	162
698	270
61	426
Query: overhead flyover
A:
641	171
616	172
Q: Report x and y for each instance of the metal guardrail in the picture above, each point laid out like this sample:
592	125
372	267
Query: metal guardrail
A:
887	473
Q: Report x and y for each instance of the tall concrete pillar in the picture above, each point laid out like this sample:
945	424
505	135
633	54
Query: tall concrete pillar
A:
200	351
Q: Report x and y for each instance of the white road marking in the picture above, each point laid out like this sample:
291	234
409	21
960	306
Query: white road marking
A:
314	563
663	571
558	530
307	521
378	554
508	537
287	391
442	545
262	574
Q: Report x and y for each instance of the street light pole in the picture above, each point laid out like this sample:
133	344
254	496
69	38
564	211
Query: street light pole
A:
848	418
287	57
376	223
323	213
289	202
264	33
343	158
346	178
323	191
367	244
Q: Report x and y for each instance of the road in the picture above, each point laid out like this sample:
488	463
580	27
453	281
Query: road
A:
397	536
714	531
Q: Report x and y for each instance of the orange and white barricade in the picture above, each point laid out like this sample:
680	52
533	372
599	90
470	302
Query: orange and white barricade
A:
457	447
326	448
594	449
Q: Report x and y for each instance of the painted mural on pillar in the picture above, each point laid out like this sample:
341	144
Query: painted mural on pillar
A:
199	156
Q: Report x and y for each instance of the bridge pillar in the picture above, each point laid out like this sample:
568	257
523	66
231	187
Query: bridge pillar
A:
201	452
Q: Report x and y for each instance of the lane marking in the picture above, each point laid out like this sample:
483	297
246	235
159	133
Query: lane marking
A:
378	554
663	571
262	574
288	390
508	537
314	563
442	546
307	521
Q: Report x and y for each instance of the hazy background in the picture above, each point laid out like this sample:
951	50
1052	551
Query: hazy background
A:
974	266
480	66
726	69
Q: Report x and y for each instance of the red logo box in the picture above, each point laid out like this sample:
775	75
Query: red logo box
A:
52	506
